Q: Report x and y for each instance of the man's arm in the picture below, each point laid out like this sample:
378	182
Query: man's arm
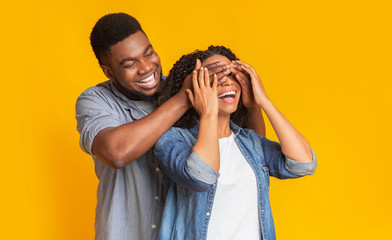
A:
118	146
256	120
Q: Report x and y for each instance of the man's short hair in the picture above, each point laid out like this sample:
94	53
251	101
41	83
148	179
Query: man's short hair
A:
111	29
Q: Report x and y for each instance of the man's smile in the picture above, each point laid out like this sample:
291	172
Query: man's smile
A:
149	82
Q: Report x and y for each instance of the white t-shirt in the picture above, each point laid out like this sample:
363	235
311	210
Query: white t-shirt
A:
234	212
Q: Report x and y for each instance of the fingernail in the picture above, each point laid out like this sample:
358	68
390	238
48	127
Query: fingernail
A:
205	69
227	71
225	66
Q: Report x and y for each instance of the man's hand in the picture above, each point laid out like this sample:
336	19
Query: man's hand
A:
221	70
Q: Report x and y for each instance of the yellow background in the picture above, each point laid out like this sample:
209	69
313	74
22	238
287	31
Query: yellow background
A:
325	64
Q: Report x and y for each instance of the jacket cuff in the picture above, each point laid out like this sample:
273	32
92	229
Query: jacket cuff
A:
301	168
200	170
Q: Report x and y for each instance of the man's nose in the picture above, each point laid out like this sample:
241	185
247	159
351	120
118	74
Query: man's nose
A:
144	67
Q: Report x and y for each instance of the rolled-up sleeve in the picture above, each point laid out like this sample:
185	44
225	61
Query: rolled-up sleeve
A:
182	164
283	167
302	168
93	115
200	170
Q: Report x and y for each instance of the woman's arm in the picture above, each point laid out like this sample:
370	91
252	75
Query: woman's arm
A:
293	144
194	168
183	165
204	99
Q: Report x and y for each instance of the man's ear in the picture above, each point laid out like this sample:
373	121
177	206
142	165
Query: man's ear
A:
107	71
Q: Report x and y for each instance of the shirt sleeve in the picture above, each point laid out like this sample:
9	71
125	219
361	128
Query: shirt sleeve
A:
93	114
183	165
283	167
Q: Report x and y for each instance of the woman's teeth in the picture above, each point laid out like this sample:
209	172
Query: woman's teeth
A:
226	94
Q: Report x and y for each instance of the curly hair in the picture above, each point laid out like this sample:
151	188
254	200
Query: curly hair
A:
111	29
182	68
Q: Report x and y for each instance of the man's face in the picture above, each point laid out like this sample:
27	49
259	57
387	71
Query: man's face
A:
134	67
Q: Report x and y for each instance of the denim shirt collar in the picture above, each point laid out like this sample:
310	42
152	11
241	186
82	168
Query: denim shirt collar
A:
236	129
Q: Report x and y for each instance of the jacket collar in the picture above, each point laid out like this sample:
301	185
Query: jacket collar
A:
236	129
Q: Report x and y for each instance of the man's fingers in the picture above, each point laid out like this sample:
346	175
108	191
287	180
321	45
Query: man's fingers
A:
215	67
222	75
218	68
215	82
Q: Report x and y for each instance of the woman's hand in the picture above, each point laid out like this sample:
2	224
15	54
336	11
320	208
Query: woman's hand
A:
253	93
205	100
204	97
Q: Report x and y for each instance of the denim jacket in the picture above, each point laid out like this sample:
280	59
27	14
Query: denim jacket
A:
191	183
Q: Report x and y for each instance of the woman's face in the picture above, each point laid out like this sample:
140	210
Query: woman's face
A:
229	89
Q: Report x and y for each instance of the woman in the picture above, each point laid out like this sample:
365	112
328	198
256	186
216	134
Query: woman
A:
216	171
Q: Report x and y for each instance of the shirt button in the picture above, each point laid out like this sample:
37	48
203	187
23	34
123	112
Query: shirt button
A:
307	172
157	169
156	197
259	182
153	226
262	210
208	213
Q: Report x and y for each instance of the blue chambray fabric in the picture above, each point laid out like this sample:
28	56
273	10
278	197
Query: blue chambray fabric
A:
191	183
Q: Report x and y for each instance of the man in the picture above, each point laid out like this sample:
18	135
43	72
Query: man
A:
118	126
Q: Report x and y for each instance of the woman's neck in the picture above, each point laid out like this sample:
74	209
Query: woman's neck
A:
224	126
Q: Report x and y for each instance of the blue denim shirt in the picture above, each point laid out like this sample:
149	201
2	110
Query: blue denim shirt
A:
191	183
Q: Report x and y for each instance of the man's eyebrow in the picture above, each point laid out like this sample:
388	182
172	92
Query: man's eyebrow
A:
132	58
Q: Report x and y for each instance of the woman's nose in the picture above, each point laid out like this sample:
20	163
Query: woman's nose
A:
227	80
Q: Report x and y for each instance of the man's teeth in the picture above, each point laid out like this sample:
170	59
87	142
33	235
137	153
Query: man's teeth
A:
226	93
147	80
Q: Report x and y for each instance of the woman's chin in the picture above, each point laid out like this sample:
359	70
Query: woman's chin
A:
227	111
